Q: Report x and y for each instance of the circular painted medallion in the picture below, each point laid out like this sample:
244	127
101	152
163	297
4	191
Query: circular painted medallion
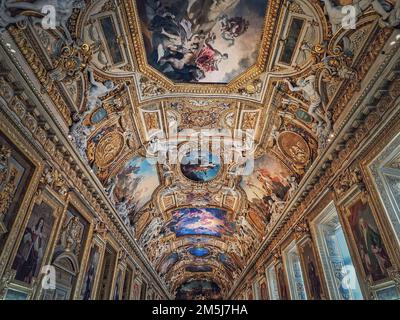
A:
200	167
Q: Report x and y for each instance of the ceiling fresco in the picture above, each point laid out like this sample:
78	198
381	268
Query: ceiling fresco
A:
200	221
250	83
202	41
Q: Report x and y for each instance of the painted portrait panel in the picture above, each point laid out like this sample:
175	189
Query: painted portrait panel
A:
134	185
283	290
90	274
368	240
311	272
209	41
15	174
226	261
118	285
136	290
264	291
33	246
200	221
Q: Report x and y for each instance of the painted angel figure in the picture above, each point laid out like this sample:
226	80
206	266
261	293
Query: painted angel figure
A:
232	28
209	58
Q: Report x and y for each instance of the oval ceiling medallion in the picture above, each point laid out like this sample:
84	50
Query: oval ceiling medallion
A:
108	149
200	167
199	252
294	147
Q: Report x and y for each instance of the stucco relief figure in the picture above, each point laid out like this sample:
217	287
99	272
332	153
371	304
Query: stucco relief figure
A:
306	86
245	225
390	16
63	10
79	134
152	231
97	91
293	186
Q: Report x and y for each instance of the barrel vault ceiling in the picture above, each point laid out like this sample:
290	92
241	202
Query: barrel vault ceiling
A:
141	77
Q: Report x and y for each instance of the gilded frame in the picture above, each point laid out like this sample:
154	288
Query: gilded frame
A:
12	134
135	42
58	209
301	244
367	284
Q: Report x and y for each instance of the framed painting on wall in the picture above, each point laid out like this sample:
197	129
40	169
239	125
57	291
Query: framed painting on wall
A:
367	242
91	272
15	174
136	290
312	275
34	243
264	290
282	286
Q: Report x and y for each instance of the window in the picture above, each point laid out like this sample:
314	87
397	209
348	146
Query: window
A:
338	267
294	273
272	283
385	171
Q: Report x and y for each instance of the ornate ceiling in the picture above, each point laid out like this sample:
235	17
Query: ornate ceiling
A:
150	87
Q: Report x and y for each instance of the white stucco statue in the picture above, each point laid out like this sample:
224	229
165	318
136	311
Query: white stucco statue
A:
243	223
63	12
97	90
337	14
307	87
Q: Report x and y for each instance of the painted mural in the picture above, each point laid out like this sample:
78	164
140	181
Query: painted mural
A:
368	239
87	287
199	252
211	41
226	261
168	263
134	185
199	290
15	174
200	167
200	221
311	271
33	246
270	176
198	268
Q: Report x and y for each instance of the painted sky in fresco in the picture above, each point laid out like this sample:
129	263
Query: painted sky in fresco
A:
200	221
199	167
135	184
199	252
